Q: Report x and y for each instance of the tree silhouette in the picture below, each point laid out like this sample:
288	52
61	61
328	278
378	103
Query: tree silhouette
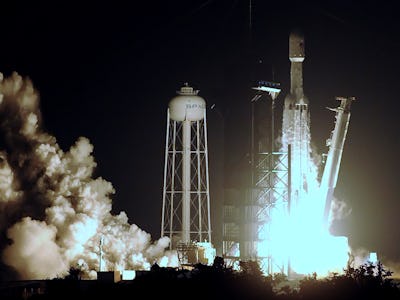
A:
368	281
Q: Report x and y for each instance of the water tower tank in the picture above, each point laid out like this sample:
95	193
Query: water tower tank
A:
186	199
187	105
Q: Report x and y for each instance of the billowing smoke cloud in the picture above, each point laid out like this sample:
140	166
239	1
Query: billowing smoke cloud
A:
339	210
34	251
359	256
53	213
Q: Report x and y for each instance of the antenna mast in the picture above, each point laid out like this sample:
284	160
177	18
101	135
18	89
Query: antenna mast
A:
101	253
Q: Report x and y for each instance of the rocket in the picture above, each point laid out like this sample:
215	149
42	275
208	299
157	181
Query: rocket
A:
296	125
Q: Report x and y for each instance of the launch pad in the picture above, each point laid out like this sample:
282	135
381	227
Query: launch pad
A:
282	219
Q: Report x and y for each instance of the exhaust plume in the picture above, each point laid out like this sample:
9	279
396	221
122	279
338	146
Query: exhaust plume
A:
53	212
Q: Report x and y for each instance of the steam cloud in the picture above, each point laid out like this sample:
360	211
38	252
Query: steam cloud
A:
53	213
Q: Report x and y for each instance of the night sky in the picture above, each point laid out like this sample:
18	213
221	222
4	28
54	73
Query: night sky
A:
106	71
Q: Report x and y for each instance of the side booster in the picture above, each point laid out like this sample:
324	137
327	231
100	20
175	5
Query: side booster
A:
336	144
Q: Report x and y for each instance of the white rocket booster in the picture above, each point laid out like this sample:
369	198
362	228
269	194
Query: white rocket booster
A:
336	144
296	124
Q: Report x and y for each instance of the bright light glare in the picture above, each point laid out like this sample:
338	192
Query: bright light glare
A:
297	238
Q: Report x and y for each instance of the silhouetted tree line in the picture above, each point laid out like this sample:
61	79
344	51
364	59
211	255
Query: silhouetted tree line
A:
369	281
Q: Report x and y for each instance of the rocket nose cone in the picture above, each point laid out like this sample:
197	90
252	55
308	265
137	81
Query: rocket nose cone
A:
296	33
296	46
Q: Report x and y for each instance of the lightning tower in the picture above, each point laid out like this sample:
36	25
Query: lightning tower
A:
186	198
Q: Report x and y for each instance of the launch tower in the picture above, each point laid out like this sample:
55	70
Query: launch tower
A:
269	184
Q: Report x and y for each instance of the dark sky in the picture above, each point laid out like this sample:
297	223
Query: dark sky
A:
107	71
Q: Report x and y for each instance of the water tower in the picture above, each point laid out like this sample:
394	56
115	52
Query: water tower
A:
186	197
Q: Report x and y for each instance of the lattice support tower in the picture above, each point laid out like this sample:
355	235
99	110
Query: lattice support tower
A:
186	197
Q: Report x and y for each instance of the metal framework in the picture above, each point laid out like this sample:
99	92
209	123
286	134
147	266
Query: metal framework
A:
270	193
187	253
247	216
186	151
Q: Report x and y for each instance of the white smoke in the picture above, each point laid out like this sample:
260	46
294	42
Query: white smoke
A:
53	212
34	252
339	209
359	256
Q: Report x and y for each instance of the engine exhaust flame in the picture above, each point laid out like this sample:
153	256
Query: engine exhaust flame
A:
296	237
54	212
